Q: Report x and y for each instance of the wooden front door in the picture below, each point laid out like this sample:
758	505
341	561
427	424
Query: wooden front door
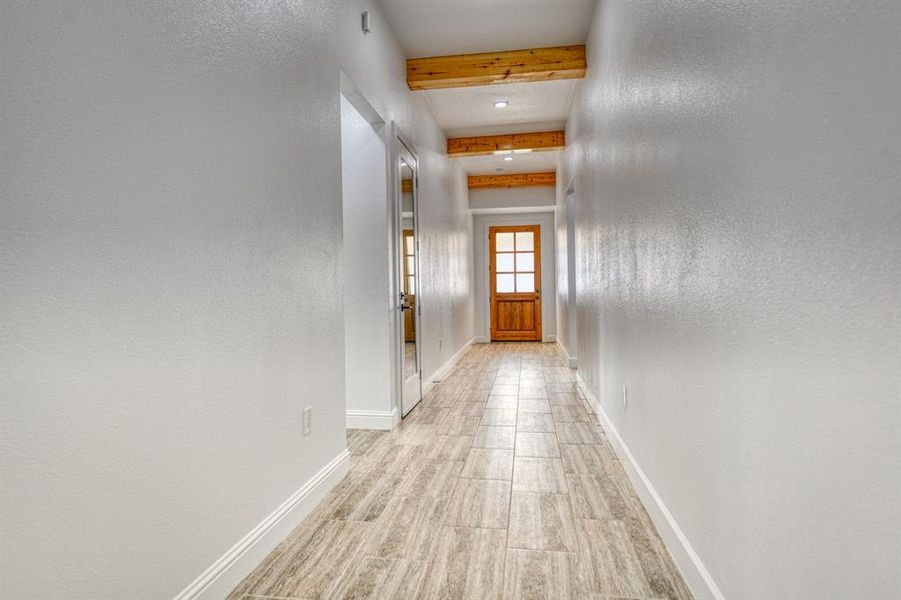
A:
515	273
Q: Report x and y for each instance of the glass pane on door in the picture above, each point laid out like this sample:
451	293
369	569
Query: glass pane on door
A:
504	242
525	282
525	261
505	283
504	263
525	241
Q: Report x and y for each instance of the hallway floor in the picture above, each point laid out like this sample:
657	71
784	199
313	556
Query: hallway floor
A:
499	484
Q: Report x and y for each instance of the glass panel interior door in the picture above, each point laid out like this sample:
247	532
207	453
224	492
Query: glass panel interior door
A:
409	283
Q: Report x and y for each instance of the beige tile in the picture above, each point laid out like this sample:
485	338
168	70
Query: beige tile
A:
576	433
535	423
414	434
557	387
539	475
504	390
467	563
569	413
535	391
588	459
540	575
541	445
488	463
479	503
428	416
473	395
563	398
377	578
470	409
459	425
435	478
501	402
596	497
451	447
361	441
309	565
408	528
499	417
382	531
494	437
541	522
608	563
366	499
534	405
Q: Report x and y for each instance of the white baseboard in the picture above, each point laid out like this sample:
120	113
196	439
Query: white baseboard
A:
570	360
549	339
372	419
233	566
429	382
481	339
696	575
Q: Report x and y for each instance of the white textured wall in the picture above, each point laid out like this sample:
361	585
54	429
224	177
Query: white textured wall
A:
567	332
367	306
482	287
502	198
737	220
170	237
376	66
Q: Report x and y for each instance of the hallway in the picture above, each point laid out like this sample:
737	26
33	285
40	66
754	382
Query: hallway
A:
452	299
500	483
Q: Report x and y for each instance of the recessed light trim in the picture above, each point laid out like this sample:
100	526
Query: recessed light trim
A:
501	104
508	158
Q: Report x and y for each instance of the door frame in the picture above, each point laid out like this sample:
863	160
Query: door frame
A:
482	221
538	329
400	147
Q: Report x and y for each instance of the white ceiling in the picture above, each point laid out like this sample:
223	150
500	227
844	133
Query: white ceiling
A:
468	111
532	162
440	27
437	27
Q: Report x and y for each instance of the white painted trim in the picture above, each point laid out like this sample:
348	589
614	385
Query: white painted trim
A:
570	360
232	567
481	339
693	570
372	419
549	339
513	210
480	247
429	382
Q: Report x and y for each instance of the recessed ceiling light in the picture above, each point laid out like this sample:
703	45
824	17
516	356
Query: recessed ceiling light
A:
508	158
501	104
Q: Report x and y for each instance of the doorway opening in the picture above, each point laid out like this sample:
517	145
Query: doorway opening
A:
515	278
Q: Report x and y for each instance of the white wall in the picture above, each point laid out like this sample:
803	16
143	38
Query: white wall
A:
170	237
480	225
737	219
367	306
504	198
376	66
567	331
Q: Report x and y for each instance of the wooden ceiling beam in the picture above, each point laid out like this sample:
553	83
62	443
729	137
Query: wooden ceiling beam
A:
483	182
490	144
488	68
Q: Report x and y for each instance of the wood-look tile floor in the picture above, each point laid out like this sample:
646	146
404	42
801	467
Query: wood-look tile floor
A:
500	484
